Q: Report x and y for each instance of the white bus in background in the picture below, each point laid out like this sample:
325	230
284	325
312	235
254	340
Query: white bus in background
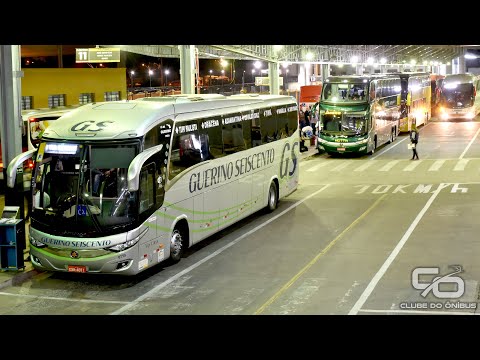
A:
121	186
37	120
460	97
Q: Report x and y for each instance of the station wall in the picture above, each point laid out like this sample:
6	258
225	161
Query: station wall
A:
40	83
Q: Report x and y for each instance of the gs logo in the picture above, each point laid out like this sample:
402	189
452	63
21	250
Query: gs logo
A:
286	159
90	126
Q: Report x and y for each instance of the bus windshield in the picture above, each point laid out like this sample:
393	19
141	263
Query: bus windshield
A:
344	92
82	188
458	96
348	124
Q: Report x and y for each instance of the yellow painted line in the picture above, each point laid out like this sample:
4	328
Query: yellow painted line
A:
316	258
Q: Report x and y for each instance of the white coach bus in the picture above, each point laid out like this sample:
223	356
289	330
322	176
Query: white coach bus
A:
459	96
121	186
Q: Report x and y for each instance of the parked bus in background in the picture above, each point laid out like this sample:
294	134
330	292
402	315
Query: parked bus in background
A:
416	101
38	120
358	113
35	122
460	97
121	186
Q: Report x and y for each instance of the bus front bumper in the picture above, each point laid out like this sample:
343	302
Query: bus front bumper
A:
446	114
122	263
338	147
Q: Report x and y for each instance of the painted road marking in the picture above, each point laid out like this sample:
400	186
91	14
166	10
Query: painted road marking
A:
373	283
215	253
389	165
469	144
318	166
436	165
342	166
364	166
316	258
391	146
65	299
460	166
412	165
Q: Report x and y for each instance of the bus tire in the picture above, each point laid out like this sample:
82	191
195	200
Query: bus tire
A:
272	200
176	245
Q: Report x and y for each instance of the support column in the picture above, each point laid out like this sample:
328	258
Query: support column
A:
187	68
60	55
308	73
455	66
301	75
11	123
273	78
325	71
359	69
462	68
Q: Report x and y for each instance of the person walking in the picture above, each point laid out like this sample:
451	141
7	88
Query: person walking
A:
307	116
414	141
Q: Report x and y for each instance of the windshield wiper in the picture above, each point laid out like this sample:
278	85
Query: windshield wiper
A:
81	179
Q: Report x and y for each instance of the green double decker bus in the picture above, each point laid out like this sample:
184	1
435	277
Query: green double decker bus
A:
357	114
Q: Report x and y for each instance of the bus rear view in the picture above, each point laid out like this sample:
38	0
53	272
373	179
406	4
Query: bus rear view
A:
459	99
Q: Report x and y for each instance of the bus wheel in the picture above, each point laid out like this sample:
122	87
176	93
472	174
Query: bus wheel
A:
272	197
176	246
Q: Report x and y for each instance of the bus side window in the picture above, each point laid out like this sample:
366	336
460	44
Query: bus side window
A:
268	127
187	149
147	188
283	130
256	134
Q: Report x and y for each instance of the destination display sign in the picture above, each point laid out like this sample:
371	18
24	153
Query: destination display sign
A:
97	55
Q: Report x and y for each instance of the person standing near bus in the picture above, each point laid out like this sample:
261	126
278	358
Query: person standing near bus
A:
307	116
414	140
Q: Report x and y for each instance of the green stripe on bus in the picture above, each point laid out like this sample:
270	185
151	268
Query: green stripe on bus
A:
207	212
221	223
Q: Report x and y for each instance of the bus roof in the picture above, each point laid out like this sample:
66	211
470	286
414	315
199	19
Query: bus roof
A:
359	78
407	74
126	119
59	110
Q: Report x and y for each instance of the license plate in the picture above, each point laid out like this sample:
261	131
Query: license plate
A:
77	268
340	149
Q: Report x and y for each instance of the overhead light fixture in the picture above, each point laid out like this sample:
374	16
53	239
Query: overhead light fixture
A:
470	56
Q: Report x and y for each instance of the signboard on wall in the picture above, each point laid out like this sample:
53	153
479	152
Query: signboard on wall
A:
264	81
97	55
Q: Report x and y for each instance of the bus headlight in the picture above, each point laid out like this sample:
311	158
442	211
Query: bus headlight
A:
363	141
125	245
36	243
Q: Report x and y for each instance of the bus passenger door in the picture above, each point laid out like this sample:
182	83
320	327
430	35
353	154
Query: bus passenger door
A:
152	248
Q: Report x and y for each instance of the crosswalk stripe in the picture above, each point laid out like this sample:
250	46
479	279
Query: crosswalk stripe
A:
318	166
389	165
412	165
341	166
364	166
461	165
436	165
